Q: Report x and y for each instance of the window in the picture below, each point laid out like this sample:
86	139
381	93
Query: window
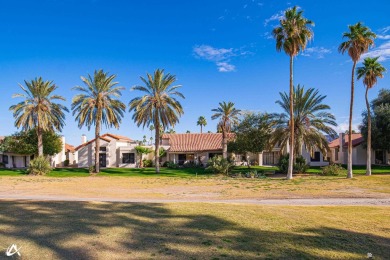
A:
316	158
5	159
128	158
336	154
103	149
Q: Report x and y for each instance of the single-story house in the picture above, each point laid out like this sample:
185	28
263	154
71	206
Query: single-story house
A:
13	160
115	151
339	151
199	148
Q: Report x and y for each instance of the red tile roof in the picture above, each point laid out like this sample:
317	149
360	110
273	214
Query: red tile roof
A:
69	148
195	142
356	140
104	137
117	137
89	142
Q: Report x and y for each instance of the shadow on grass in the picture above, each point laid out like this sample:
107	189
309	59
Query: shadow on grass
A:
78	230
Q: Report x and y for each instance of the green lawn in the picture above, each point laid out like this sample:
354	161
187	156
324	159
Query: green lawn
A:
166	172
87	230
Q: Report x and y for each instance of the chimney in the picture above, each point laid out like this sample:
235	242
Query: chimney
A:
83	139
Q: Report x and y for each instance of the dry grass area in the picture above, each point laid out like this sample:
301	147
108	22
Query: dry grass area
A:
196	188
87	230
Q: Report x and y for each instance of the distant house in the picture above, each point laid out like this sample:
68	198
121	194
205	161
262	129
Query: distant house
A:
115	151
14	160
199	148
339	151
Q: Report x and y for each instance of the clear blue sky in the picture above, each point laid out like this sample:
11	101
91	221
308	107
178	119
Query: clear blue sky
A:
219	50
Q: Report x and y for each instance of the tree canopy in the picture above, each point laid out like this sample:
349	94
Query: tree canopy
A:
252	134
26	142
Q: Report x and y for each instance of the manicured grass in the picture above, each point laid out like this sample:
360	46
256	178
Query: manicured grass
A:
181	172
81	230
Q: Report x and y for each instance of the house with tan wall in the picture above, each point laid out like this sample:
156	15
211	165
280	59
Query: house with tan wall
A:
115	151
339	151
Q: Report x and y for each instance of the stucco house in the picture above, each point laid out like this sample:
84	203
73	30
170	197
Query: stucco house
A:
14	160
199	148
115	151
339	151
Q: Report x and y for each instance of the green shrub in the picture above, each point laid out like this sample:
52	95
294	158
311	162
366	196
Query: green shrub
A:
172	165
332	170
91	169
300	165
218	164
2	165
283	163
39	166
66	163
147	163
191	164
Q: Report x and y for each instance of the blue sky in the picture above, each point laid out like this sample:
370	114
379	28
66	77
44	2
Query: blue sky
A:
219	50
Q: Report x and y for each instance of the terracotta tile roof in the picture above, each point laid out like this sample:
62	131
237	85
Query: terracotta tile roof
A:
69	148
356	140
93	140
195	142
117	137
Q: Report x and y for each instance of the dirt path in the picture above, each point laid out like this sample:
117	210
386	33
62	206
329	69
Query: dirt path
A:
284	202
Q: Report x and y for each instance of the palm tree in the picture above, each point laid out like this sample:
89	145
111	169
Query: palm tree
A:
37	110
228	116
98	104
141	151
359	40
311	121
144	140
171	131
292	36
370	72
151	128
158	106
202	122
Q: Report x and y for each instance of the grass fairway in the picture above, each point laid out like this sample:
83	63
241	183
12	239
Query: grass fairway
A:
181	172
81	230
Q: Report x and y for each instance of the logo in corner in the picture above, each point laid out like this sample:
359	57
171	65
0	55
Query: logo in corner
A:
12	249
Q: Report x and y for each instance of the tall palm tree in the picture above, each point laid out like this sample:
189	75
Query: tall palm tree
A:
98	104
37	110
158	105
151	128
370	72
292	36
228	117
312	122
202	122
359	39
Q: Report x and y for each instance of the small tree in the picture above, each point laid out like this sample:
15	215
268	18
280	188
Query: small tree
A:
26	142
252	134
141	151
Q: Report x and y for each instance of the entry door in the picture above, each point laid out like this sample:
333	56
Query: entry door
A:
102	160
182	159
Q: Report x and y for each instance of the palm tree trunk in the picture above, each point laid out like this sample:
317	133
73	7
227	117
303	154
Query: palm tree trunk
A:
224	144
201	130
40	141
157	147
97	142
291	158
368	171
350	174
